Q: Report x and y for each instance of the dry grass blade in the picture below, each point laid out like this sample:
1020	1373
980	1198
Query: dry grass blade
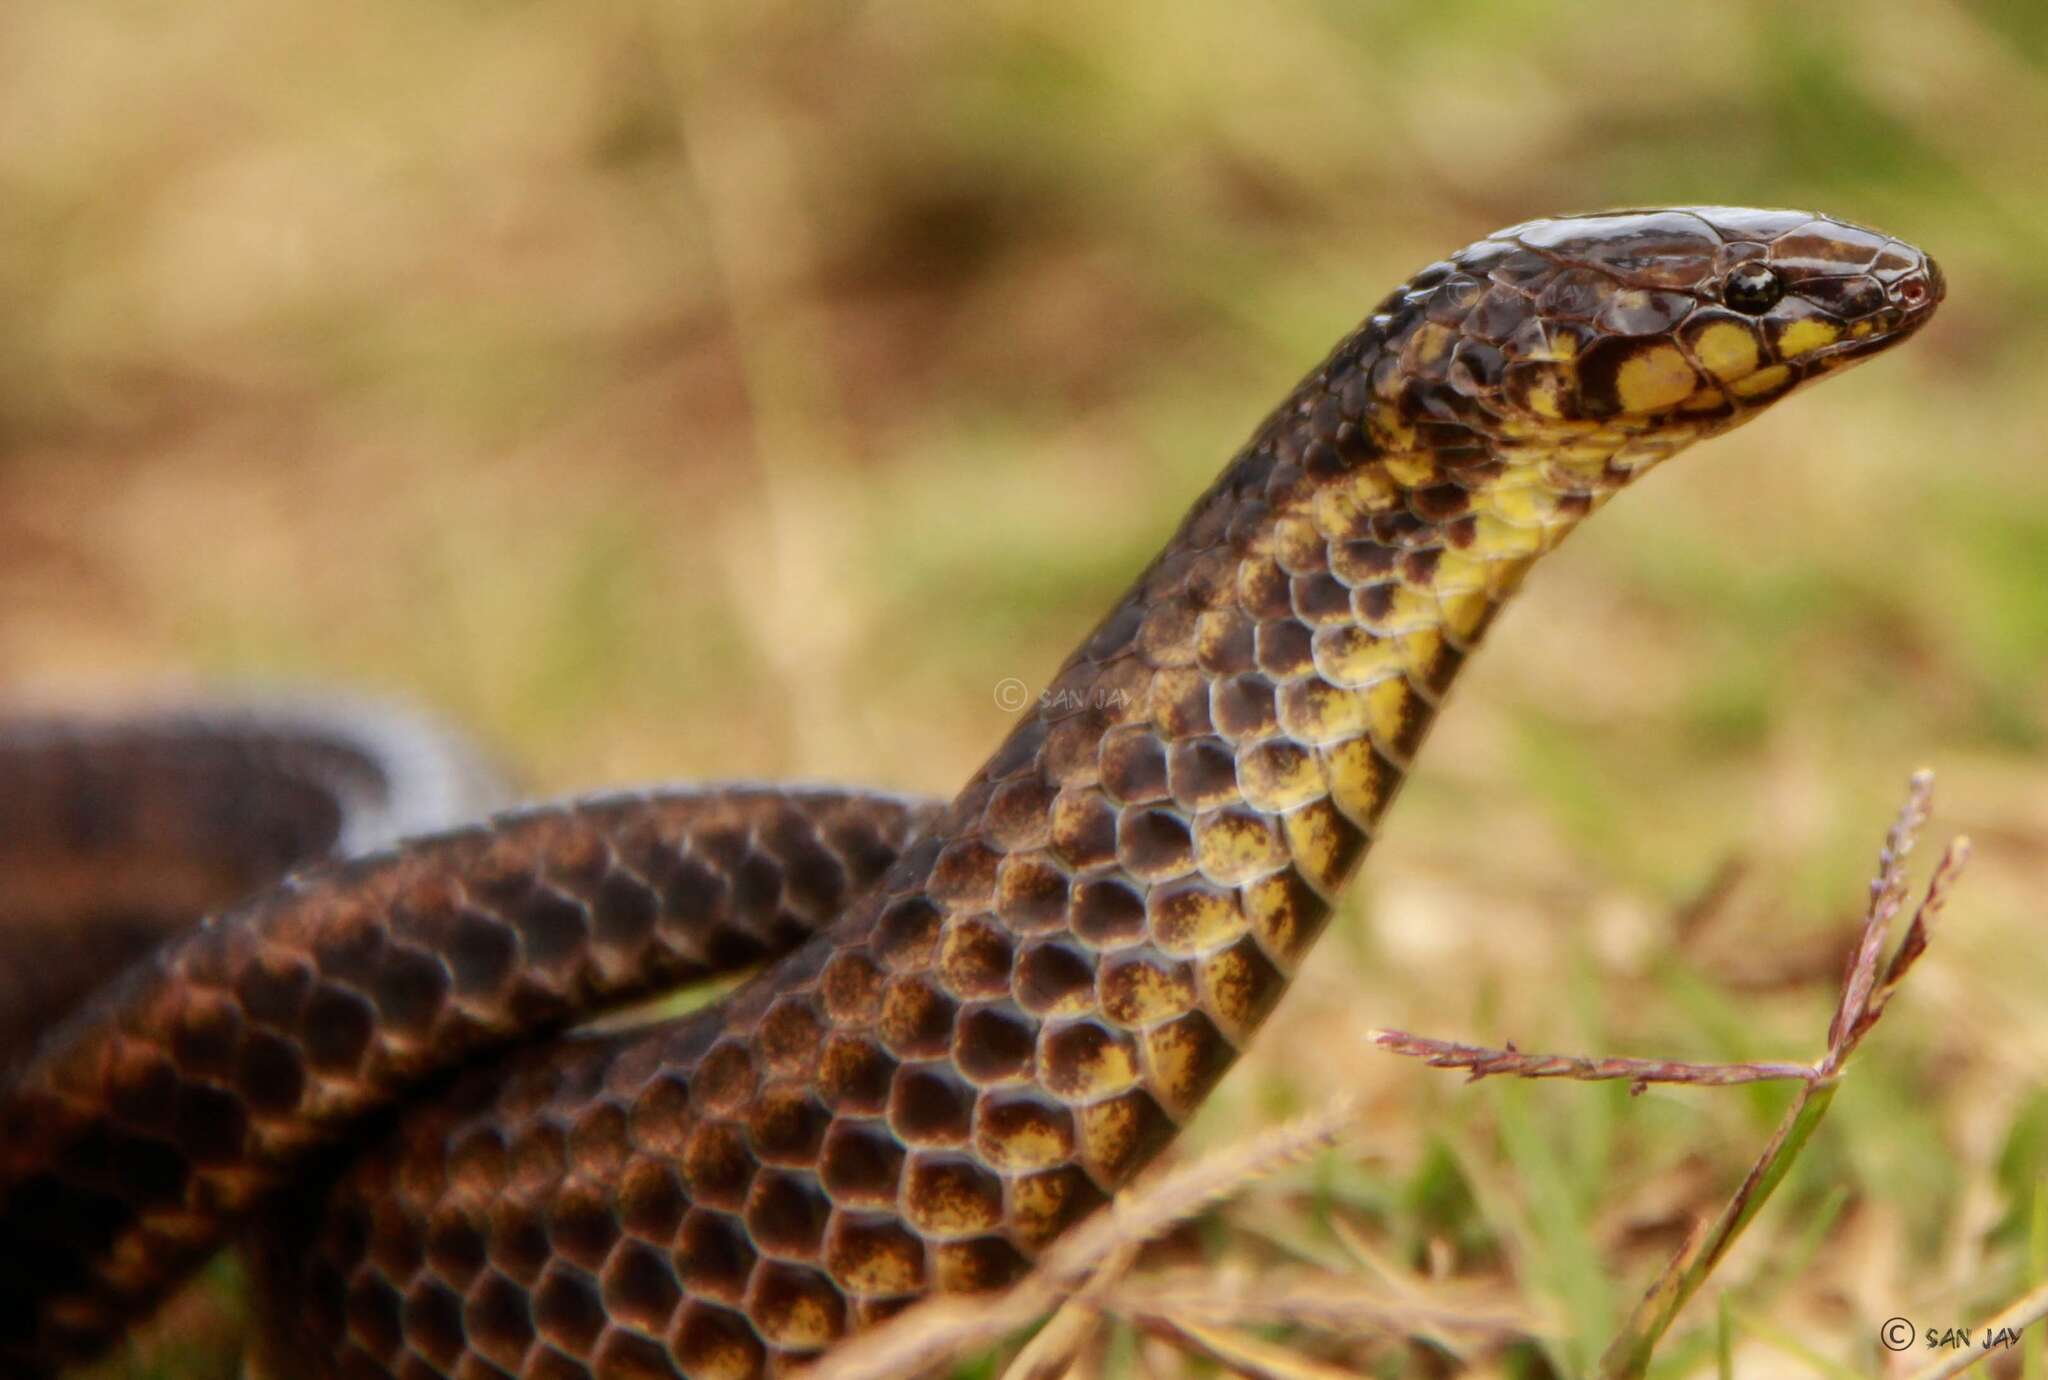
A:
1325	1303
941	1329
1484	1061
1053	1348
1246	1354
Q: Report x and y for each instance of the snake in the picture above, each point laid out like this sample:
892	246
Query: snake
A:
956	1028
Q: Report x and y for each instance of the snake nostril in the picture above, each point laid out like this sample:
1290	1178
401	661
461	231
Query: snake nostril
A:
1924	289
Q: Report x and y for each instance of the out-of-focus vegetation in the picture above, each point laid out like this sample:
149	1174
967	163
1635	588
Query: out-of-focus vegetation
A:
714	391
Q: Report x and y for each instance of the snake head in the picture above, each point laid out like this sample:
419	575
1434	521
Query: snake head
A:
1629	334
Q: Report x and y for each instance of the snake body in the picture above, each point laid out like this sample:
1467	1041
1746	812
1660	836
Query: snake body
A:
985	1016
116	833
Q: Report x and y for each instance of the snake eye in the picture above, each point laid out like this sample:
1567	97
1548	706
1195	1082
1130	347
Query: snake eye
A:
1752	289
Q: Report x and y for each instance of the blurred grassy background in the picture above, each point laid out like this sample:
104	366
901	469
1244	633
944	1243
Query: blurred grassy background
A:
678	394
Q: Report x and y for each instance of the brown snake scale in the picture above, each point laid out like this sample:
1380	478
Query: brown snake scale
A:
979	1020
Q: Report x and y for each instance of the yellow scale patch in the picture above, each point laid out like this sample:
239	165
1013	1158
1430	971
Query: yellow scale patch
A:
1352	656
1038	1202
1110	1069
958	1267
1231	981
1726	350
1179	1061
1804	336
1108	1132
1412	469
1503	578
1762	381
1457	572
1546	394
1389	704
1195	920
1410	607
1037	1143
1323	845
1273	906
1233	847
1654	377
1497	538
1345	512
1314	711
1462	616
1297	545
879	1270
1427	346
1524	505
1276	776
1361	780
805	1322
1214	630
1140	994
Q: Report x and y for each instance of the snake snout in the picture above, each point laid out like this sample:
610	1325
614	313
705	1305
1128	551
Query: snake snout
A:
1920	292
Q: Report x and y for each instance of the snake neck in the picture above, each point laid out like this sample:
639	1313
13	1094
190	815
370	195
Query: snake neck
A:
1114	903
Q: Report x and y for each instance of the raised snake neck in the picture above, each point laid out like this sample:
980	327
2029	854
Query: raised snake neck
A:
993	1036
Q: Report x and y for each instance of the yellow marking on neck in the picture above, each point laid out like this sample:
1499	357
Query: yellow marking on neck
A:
1428	345
1457	573
1546	396
1409	607
1525	505
1389	705
1412	469
1495	537
1462	615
